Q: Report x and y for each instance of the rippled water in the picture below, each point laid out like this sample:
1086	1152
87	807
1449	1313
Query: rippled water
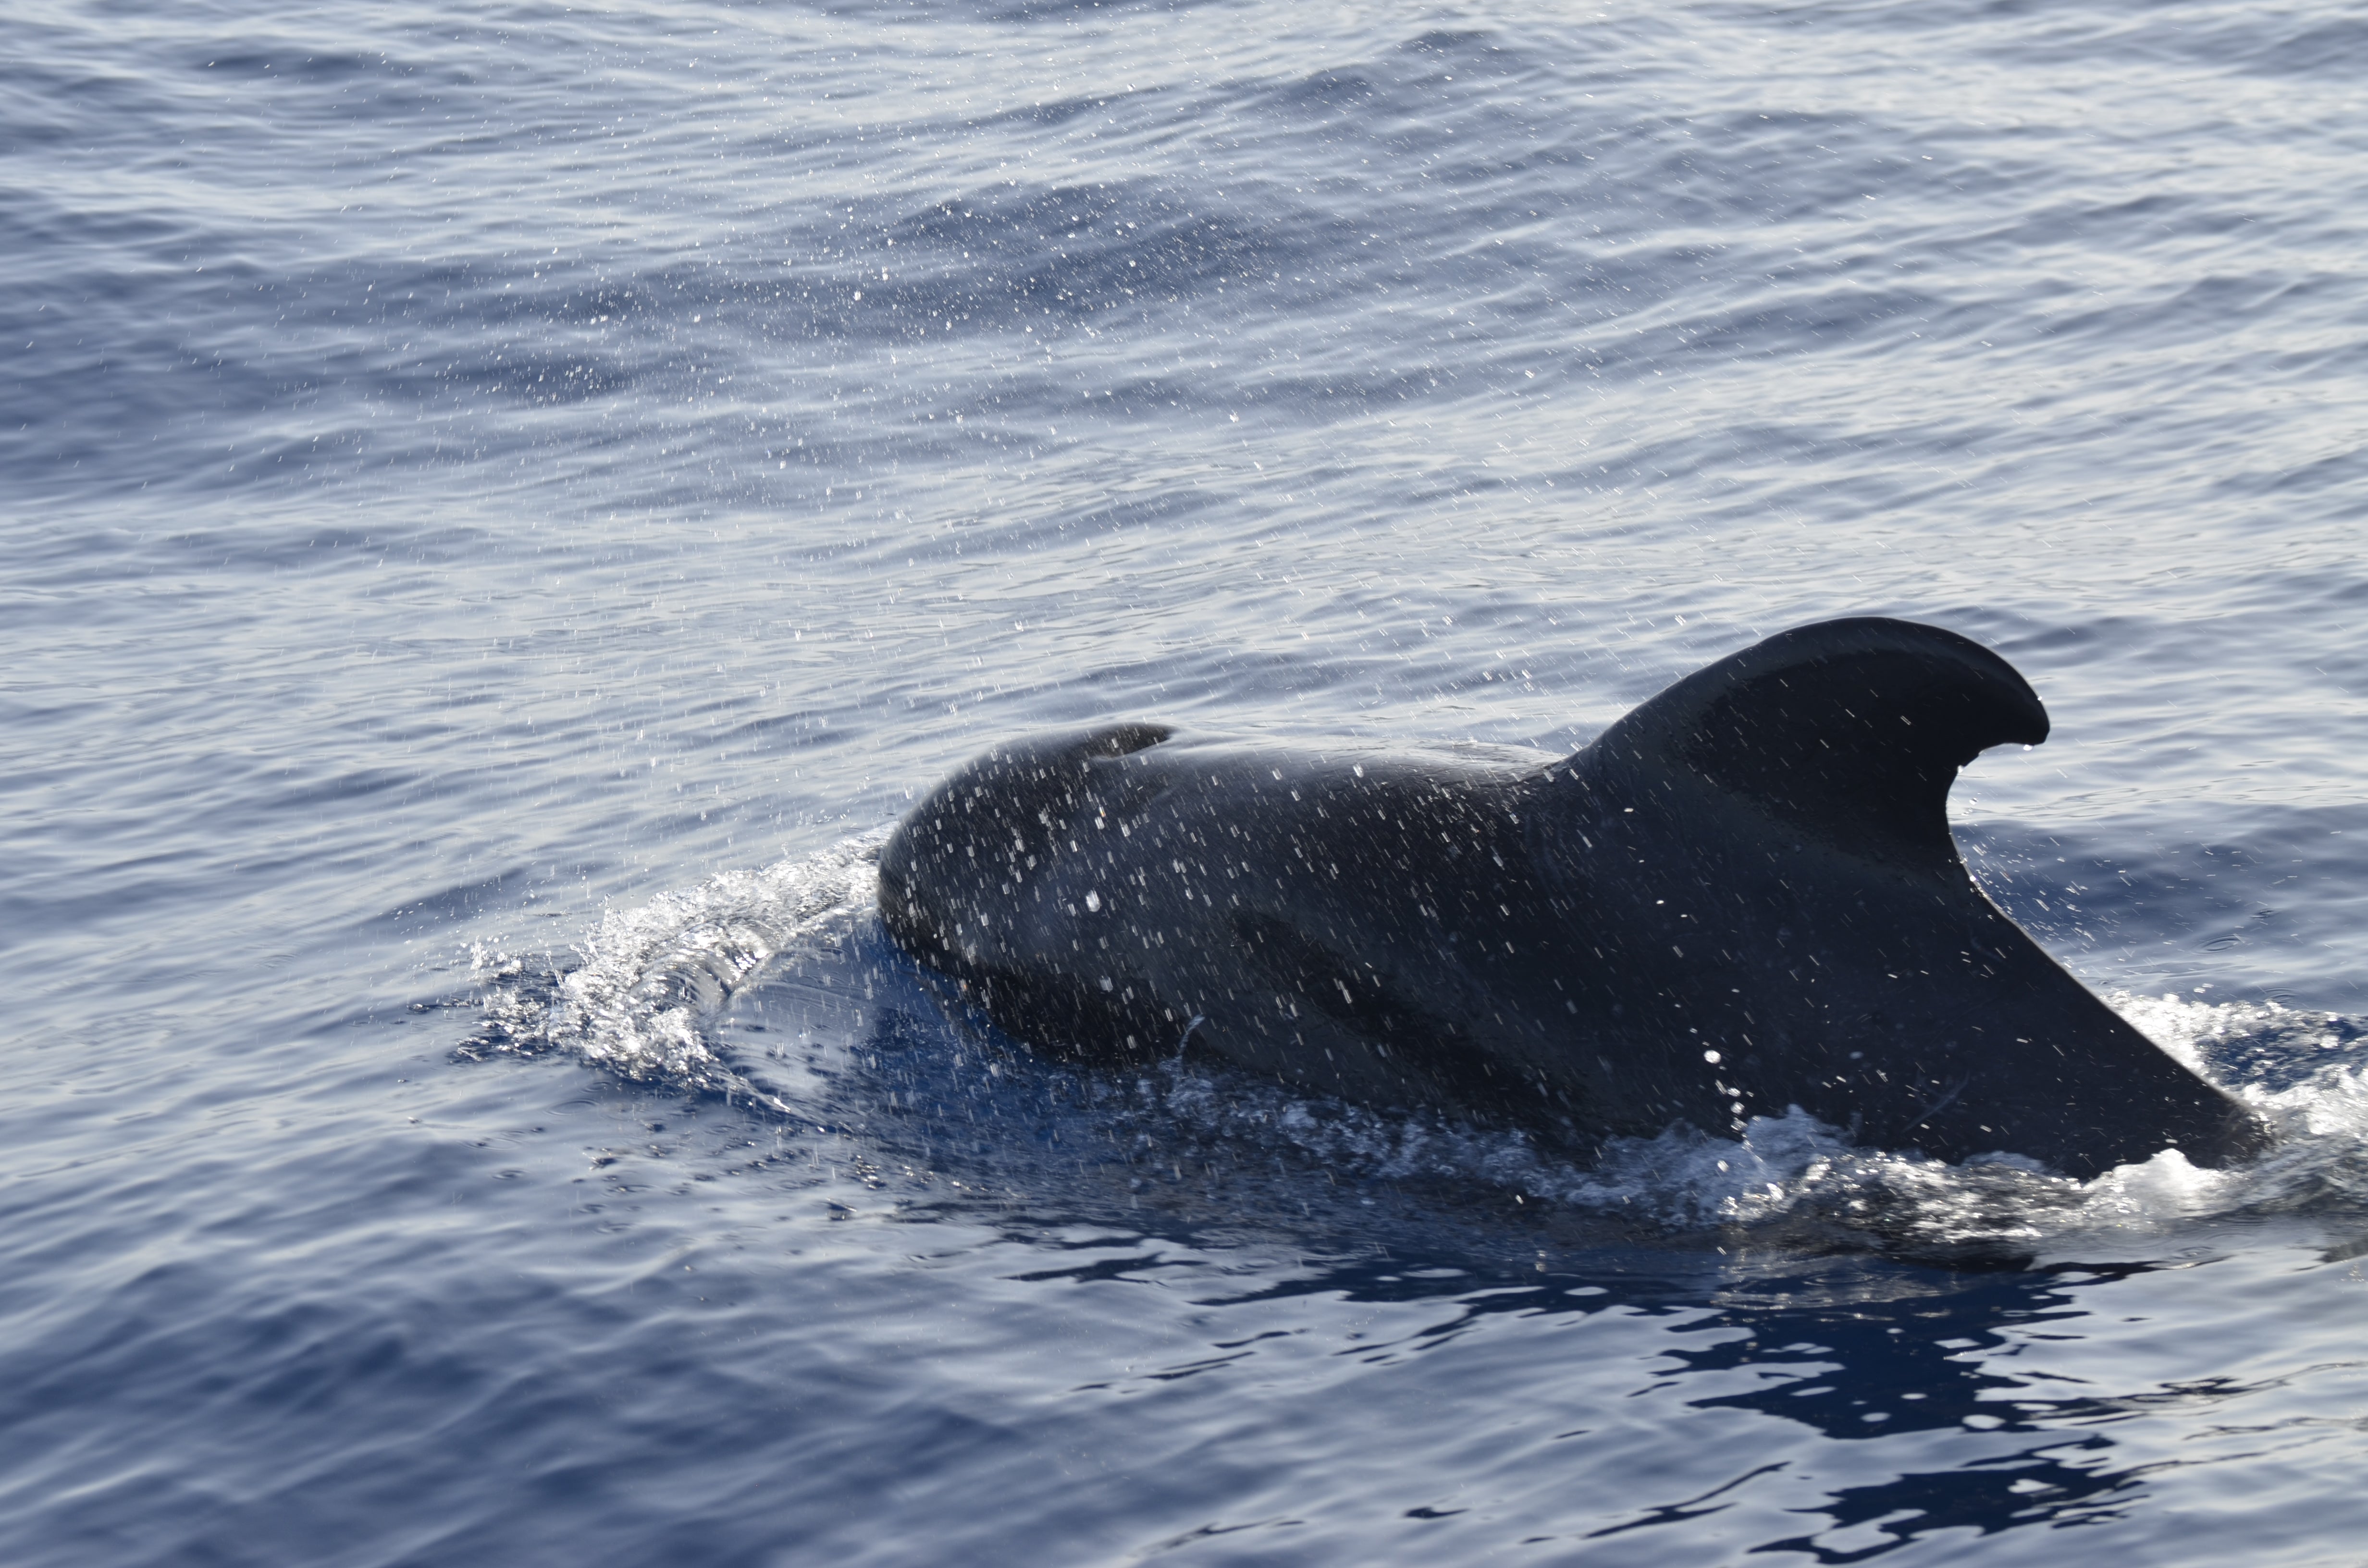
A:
505	506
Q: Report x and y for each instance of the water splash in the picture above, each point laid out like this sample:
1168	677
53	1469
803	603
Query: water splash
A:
2241	1044
650	979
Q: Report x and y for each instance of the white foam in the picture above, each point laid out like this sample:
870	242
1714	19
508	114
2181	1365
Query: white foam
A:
2321	1056
653	977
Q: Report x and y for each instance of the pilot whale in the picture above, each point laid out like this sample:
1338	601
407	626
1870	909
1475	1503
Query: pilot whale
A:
1741	897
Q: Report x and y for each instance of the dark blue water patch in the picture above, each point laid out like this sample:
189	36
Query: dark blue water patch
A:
2062	1483
1915	1343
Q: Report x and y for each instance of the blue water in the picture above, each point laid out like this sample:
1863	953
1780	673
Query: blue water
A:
504	506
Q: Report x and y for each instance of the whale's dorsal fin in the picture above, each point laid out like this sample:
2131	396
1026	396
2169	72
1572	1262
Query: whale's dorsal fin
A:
1849	730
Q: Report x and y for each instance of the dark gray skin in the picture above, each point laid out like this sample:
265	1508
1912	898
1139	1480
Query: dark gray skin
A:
1741	897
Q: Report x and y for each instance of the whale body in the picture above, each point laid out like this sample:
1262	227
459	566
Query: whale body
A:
1741	897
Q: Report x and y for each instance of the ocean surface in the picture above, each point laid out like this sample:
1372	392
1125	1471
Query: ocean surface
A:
501	507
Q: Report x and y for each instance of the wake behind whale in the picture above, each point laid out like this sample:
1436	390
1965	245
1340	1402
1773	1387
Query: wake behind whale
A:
1741	898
